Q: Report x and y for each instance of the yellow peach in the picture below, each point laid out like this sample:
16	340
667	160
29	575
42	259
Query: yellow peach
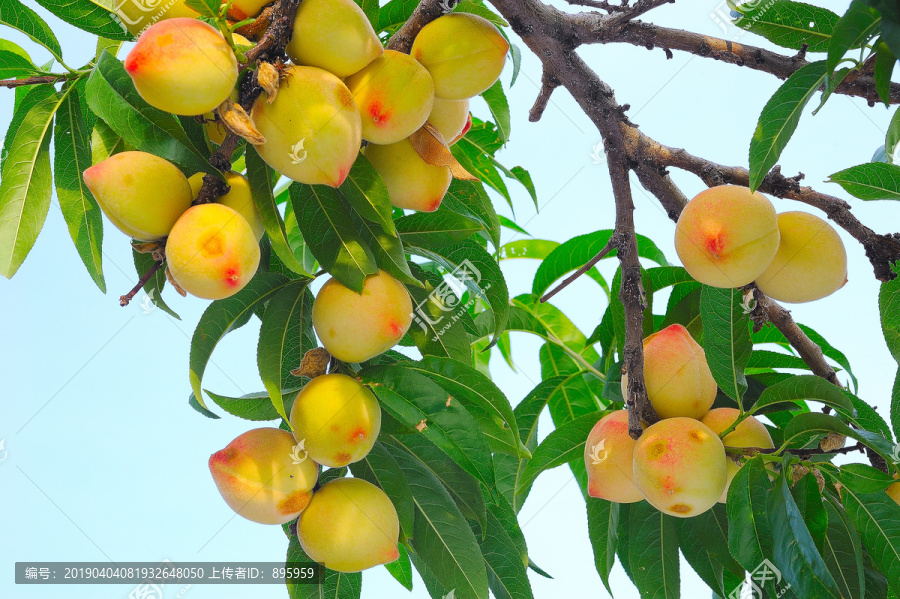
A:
182	66
811	262
245	9
137	16
350	525
749	433
609	458
337	418
238	198
141	194
894	492
678	379
312	129
259	478
212	252
355	327
451	118
464	53
412	183
394	94
727	236
319	23
679	466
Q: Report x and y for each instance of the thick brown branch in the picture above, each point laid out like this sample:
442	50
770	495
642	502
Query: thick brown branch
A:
803	454
426	12
548	84
37	80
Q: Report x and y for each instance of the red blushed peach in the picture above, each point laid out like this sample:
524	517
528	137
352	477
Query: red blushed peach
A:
727	236
412	183
679	466
182	66
609	458
749	433
337	418
238	198
212	252
350	525
259	478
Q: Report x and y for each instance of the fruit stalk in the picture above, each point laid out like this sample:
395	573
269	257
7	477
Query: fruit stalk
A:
426	12
124	300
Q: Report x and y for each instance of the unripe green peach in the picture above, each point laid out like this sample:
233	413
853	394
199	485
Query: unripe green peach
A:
355	327
238	198
141	194
350	525
212	252
245	9
677	376
320	23
312	129
394	94
609	458
811	262
182	66
749	433
727	236
412	183
451	118
138	16
337	418
464	53
260	479
679	466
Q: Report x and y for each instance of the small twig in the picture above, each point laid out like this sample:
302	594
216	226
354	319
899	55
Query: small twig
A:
124	300
803	454
36	80
426	12
610	246
548	84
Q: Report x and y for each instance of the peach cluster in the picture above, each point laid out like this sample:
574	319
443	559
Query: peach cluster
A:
269	476
729	237
679	465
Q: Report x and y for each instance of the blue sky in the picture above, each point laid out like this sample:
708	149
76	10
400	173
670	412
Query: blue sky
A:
107	461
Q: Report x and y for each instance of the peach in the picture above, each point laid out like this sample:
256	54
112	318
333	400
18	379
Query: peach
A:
337	418
260	479
182	66
894	491
238	198
137	16
412	183
609	458
245	9
319	23
394	94
451	118
678	379
212	252
749	433
679	466
464	53
313	131
811	262
727	236
350	525
355	327
142	195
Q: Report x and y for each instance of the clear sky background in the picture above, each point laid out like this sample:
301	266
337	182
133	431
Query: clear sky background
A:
106	460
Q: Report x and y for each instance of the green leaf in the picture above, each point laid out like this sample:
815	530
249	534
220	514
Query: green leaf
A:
704	544
111	95
26	99
284	337
79	208
843	553
805	387
653	552
207	8
877	518
295	240
367	194
25	188
892	137
401	568
327	227
789	24
257	407
863	478
332	585
499	107
805	427
475	153
442	538
480	396
858	24
889	307
884	68
105	142
380	468
432	331
395	13
14	61
726	338
779	119
564	445
470	199
221	316
372	10
749	532
388	250
93	16
795	552
154	286
18	16
870	181
437	229
507	574
603	522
